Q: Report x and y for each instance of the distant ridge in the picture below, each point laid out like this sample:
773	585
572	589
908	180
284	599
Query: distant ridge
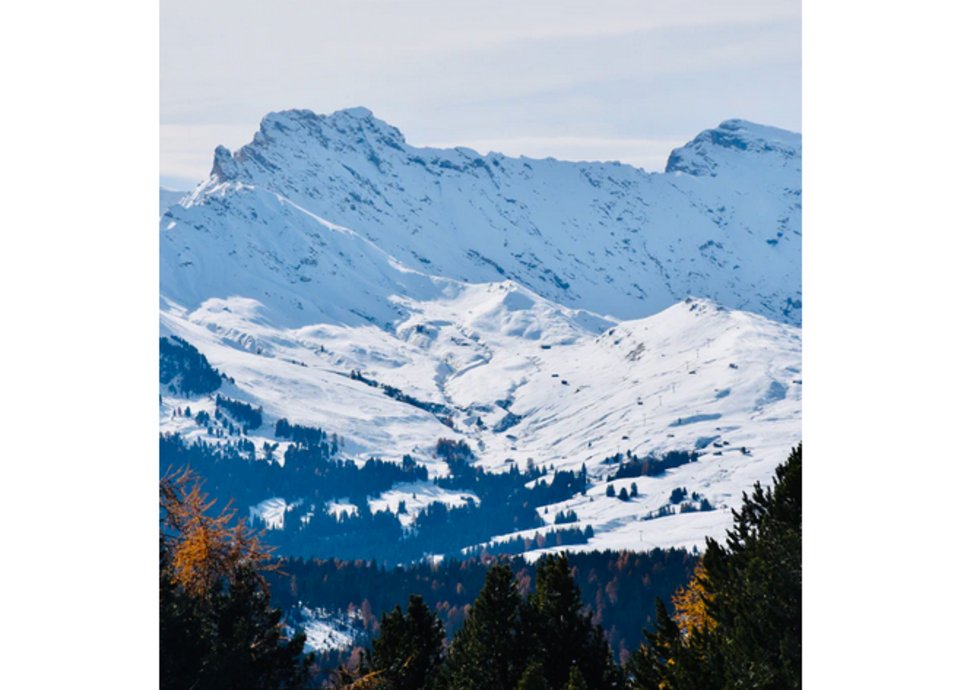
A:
723	223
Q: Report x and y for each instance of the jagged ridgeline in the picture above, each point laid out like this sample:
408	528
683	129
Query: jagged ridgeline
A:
723	221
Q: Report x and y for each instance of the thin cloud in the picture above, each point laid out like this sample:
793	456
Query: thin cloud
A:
612	81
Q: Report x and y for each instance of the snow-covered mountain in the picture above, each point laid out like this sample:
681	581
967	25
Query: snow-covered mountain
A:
314	200
543	312
167	197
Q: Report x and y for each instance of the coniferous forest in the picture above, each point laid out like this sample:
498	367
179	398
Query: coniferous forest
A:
314	473
728	619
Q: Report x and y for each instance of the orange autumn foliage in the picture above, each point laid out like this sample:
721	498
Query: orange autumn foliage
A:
691	604
204	548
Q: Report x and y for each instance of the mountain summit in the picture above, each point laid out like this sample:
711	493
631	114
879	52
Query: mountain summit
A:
724	221
732	144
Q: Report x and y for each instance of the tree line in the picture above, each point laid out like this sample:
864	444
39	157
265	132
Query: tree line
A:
509	639
312	476
184	370
736	624
619	588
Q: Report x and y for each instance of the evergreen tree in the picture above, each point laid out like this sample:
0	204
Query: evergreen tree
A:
249	650
491	648
533	678
740	617
656	664
756	584
408	651
566	636
182	637
576	681
427	636
388	651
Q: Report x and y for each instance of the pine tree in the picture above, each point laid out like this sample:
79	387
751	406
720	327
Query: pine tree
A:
182	637
565	634
426	635
389	649
756	582
654	664
408	651
738	622
533	679
250	650
491	648
576	681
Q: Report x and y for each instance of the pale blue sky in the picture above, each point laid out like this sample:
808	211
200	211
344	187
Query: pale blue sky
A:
609	80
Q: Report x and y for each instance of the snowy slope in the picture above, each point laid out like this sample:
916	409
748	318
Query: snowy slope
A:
167	197
328	630
560	312
694	377
724	222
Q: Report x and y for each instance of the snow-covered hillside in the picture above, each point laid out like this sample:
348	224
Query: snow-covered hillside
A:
543	312
167	197
315	200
